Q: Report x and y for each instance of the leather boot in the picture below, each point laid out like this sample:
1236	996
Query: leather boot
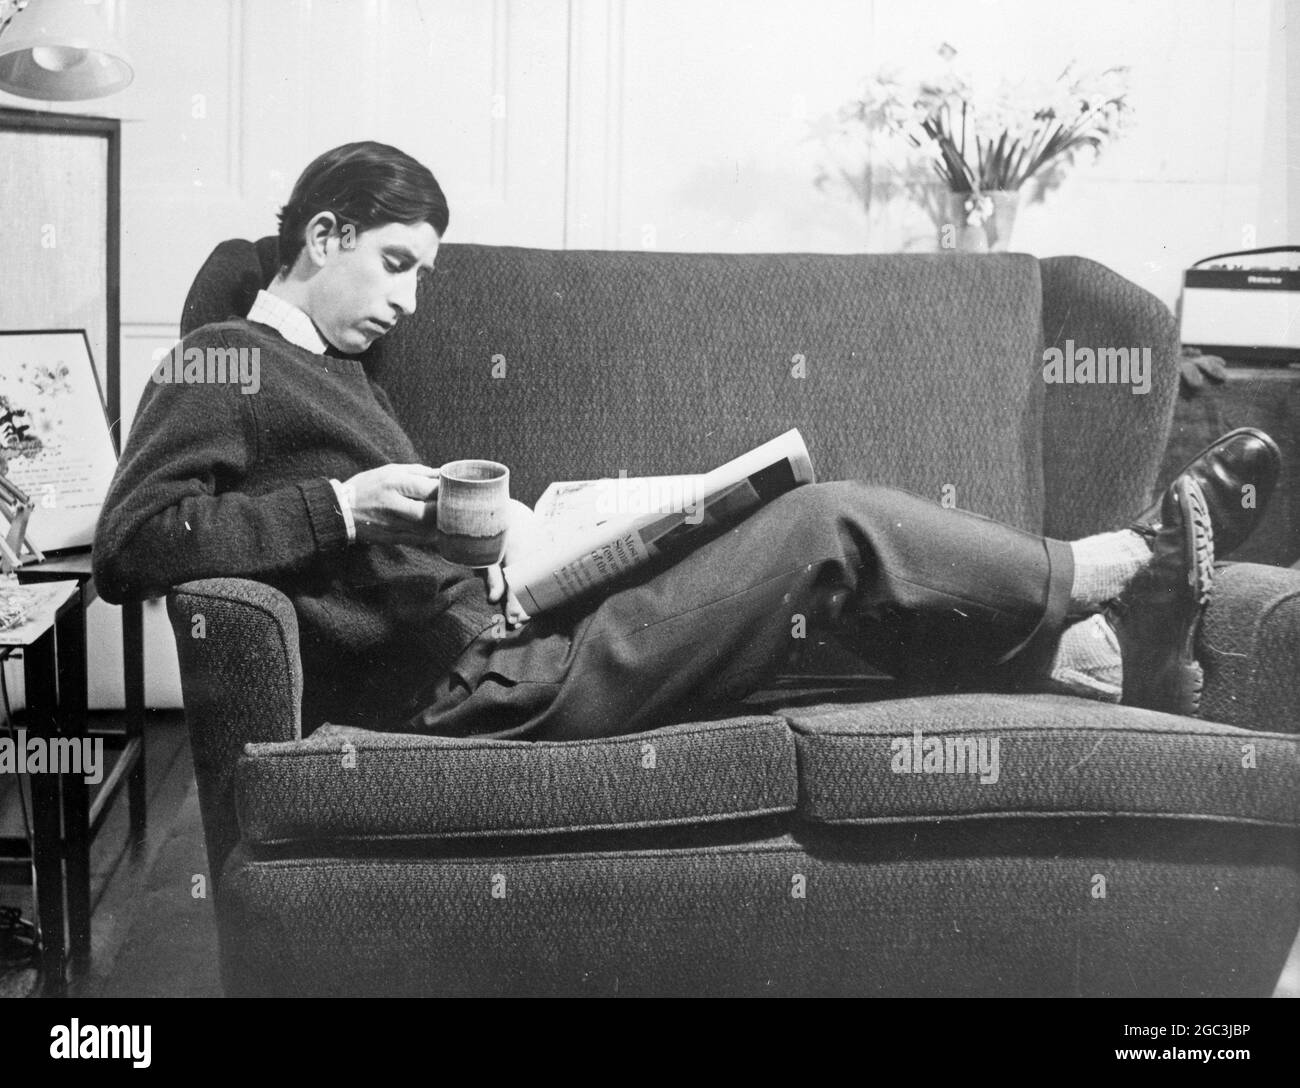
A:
1223	469
1157	615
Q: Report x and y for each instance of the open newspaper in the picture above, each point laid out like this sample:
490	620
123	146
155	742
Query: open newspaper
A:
594	530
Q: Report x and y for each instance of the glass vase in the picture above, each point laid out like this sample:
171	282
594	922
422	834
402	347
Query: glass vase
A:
979	222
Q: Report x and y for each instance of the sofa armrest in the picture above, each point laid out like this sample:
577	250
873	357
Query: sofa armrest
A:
1102	444
241	680
1249	645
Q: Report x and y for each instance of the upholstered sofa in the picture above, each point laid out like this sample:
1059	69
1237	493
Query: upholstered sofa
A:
770	849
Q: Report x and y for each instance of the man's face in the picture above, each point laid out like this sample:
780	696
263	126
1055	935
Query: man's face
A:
366	281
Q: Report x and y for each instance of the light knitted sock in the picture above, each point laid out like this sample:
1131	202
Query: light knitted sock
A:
1103	566
1087	661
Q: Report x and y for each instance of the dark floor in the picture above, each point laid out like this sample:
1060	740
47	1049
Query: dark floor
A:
151	934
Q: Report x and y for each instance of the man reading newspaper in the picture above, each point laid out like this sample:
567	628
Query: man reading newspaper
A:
312	486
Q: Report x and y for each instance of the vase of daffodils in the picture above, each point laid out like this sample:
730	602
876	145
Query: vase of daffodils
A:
976	222
985	141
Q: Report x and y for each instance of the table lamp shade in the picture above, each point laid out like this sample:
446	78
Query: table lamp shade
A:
60	50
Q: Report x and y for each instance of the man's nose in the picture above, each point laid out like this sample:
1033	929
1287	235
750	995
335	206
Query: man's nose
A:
403	297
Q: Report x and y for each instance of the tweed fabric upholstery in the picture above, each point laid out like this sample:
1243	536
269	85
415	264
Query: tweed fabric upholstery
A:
241	681
344	783
999	907
1093	450
228	282
920	371
1102	443
1056	755
1249	646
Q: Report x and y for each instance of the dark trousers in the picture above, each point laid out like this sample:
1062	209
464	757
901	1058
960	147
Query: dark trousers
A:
937	596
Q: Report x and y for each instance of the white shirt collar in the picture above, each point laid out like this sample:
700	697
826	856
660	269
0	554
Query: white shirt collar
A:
289	321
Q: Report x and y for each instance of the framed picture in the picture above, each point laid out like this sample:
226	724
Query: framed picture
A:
59	226
54	433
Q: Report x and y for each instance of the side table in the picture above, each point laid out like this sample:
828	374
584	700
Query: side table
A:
53	645
81	819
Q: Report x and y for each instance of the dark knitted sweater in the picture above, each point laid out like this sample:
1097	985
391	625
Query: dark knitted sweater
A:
217	482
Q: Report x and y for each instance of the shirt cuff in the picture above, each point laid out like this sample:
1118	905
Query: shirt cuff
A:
344	495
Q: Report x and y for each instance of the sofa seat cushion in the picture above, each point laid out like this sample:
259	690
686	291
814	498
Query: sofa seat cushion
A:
976	756
347	783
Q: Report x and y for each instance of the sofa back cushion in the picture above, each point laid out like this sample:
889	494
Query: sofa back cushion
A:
918	371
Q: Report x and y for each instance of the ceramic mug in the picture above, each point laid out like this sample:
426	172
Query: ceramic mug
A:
473	505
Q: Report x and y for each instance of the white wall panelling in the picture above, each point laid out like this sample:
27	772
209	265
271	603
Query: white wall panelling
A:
593	174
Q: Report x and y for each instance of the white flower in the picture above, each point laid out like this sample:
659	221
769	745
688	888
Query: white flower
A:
978	207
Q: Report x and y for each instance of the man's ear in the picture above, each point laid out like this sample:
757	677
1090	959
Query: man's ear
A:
320	229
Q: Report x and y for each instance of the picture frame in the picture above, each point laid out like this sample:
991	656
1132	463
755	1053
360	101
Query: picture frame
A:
55	434
62	238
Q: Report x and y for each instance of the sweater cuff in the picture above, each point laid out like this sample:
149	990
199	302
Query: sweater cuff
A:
328	525
346	496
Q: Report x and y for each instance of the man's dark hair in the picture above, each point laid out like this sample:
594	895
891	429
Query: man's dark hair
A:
366	184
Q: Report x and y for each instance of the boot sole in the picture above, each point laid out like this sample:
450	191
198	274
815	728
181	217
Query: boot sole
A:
1189	678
